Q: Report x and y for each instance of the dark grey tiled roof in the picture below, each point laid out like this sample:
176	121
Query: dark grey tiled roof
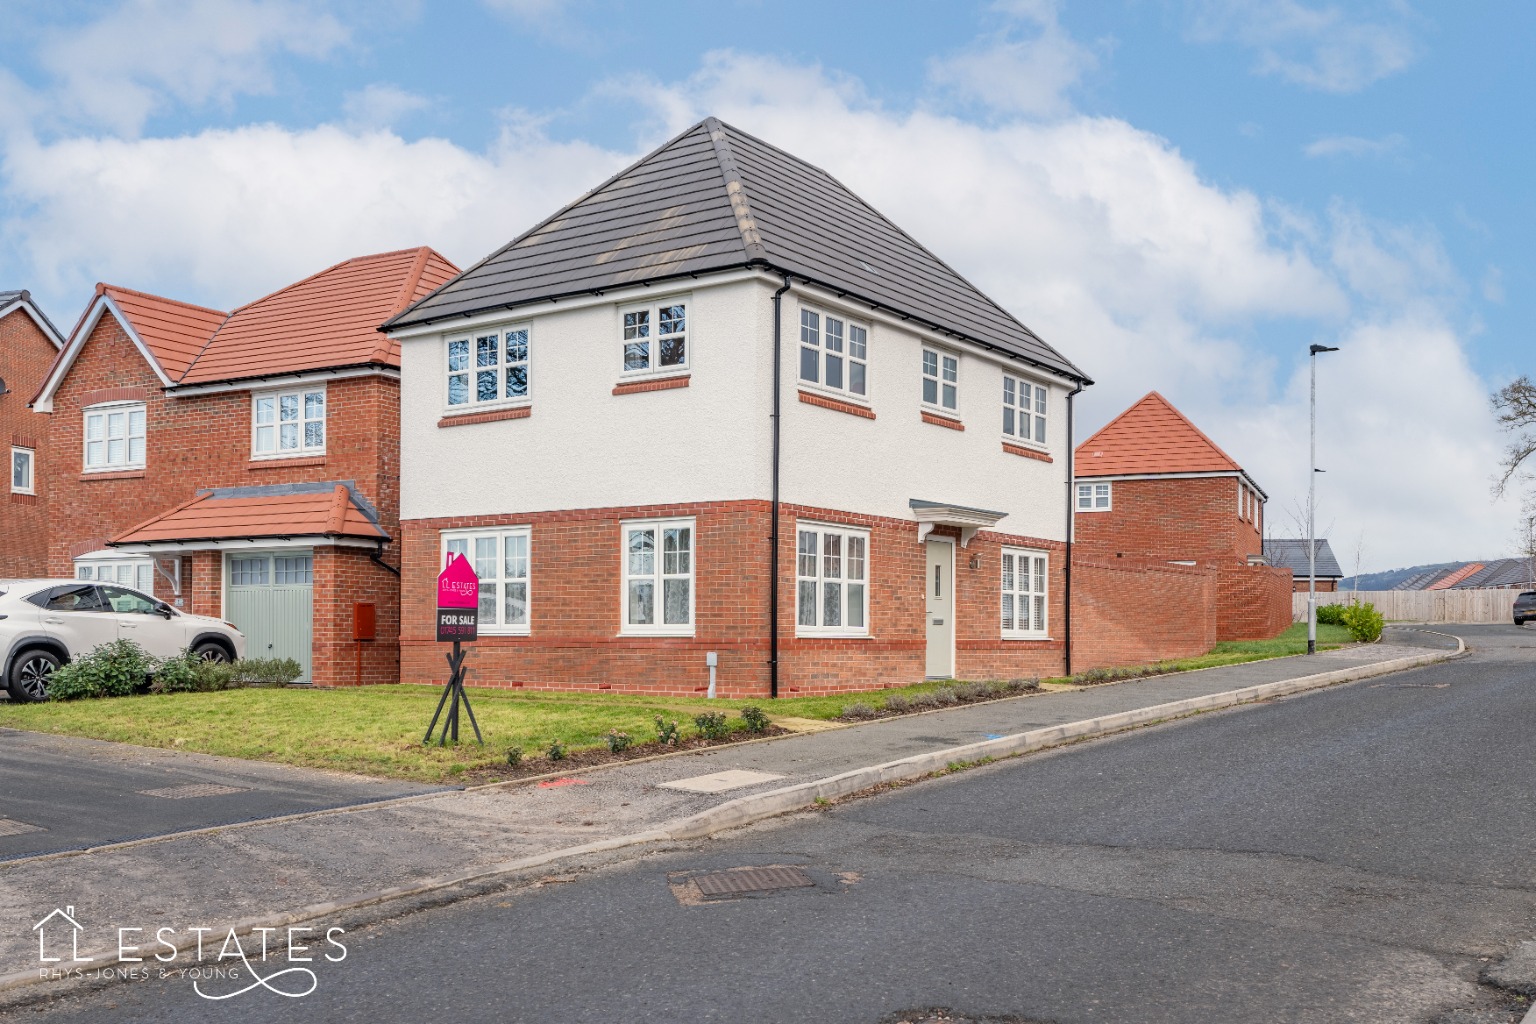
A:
8	297
716	198
1292	555
1501	572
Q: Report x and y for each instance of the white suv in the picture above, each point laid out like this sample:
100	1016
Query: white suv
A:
45	623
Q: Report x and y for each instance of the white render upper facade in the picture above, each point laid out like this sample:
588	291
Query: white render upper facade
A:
582	446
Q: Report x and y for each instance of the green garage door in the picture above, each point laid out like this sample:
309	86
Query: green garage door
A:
270	598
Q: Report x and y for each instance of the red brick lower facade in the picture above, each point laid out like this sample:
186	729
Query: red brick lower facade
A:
1253	602
575	642
1137	612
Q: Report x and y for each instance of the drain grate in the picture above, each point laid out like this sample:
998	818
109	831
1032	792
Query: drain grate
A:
738	881
12	827
191	790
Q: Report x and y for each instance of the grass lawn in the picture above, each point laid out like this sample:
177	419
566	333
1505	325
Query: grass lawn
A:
377	730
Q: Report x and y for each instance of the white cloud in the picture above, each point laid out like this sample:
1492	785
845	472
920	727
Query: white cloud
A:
1493	285
1320	47
1007	73
1354	145
118	70
1392	265
381	105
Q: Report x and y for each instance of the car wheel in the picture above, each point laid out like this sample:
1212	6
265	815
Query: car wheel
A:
211	651
29	675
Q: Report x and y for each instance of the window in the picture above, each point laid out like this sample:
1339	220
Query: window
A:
138	574
293	570
249	572
127	602
489	367
1023	410
656	338
290	423
114	437
834	353
75	599
500	559
941	377
658	577
1093	498
21	471
1024	611
831	581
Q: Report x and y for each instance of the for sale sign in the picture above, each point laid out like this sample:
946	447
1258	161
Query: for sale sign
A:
458	600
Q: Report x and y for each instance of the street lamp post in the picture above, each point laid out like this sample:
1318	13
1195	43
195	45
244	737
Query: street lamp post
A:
1312	512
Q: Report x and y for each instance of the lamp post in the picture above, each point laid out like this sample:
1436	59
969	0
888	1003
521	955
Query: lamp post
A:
1312	512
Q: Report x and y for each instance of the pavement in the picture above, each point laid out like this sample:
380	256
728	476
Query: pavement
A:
1358	854
315	866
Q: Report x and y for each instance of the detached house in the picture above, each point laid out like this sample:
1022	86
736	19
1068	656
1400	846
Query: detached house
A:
243	464
720	410
28	345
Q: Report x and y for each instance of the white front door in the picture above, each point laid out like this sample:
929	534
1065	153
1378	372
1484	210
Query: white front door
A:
941	609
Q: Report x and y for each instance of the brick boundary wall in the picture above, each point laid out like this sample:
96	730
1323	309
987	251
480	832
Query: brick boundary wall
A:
1253	602
1136	611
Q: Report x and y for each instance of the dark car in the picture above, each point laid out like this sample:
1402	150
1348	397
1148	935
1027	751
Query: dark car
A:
1525	607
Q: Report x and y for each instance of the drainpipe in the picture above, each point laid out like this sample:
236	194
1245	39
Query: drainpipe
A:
1071	523
377	558
773	533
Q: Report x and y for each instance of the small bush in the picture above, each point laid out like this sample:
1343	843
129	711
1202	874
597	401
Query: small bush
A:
924	701
116	669
712	725
667	733
556	751
973	691
1330	614
898	703
618	742
263	672
1022	685
514	756
1364	622
946	696
756	719
857	711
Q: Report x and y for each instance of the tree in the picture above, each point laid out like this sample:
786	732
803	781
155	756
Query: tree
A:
1515	407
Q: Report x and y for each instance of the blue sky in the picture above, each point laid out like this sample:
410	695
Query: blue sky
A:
1179	194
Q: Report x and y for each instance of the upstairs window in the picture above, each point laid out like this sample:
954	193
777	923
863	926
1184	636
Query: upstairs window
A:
658	577
488	367
1024	604
114	437
656	338
21	471
834	353
1024	405
941	380
288	423
1093	497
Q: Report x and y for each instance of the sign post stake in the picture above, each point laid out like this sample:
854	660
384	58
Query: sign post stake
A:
458	608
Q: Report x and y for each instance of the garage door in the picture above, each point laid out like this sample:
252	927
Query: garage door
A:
270	598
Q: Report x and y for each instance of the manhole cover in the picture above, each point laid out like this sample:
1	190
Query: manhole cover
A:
737	881
10	827
194	789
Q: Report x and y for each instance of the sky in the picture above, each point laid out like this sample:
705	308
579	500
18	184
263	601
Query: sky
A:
1179	195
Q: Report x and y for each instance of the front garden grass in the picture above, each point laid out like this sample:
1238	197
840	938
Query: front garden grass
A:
377	730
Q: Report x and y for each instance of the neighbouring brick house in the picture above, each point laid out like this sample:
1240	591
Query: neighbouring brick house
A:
1156	498
29	343
1292	556
721	405
244	464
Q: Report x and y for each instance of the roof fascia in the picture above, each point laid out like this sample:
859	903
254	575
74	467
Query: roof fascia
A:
24	303
274	380
307	540
102	304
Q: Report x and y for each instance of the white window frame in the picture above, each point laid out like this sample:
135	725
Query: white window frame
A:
631	334
658	576
471	367
301	396
1026	409
816	341
139	570
941	365
1035	590
105	412
822	577
1094	491
30	487
450	540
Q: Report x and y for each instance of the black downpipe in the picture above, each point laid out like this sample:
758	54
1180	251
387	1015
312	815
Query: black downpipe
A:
1071	522
773	533
377	558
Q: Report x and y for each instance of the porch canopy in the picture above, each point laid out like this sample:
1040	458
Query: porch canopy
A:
327	513
962	517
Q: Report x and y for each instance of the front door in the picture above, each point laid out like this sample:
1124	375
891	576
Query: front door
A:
941	609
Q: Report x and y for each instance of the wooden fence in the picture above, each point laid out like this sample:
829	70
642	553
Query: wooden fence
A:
1423	605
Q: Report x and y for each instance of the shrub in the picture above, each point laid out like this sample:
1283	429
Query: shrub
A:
116	669
556	751
898	703
756	719
1364	622
712	725
667	733
946	695
973	691
924	701
618	742
514	756
858	710
1330	614
263	672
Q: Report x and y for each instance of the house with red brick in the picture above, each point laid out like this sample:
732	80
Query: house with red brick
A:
721	412
243	464
1153	492
29	343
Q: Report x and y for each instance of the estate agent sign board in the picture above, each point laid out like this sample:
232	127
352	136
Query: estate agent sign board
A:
458	600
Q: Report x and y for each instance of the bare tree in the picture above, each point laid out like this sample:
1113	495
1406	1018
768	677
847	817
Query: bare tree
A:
1525	536
1359	558
1515	407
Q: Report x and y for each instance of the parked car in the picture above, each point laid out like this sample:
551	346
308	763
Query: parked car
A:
1525	607
47	623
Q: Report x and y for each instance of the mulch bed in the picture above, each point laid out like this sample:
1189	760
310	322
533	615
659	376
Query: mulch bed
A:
576	760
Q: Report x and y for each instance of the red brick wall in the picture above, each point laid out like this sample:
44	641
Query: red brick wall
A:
1136	612
1253	602
344	577
1174	519
575	614
25	355
1299	585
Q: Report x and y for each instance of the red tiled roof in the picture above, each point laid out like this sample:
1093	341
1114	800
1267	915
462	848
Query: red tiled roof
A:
1151	437
328	319
1456	576
175	332
209	516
